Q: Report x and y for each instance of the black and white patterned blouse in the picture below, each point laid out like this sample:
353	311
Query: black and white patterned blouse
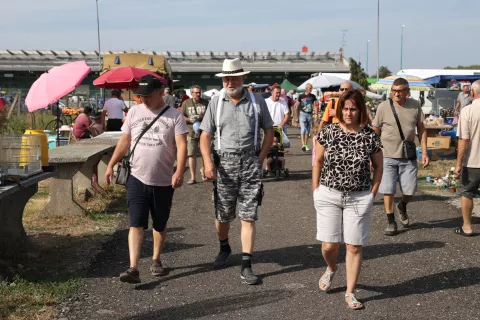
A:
347	157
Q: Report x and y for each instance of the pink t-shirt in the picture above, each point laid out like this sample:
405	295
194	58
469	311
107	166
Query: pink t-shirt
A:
81	125
153	159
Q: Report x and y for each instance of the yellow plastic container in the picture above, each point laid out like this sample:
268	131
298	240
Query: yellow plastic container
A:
44	145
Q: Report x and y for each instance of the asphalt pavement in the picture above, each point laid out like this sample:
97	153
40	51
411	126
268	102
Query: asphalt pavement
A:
425	272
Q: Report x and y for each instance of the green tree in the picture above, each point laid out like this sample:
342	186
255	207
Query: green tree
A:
473	67
358	74
383	72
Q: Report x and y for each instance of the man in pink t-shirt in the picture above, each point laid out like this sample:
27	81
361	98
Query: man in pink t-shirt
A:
81	127
152	181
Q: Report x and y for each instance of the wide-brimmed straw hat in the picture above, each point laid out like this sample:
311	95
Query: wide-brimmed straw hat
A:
232	68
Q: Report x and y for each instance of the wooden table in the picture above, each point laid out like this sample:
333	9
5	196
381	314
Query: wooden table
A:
14	241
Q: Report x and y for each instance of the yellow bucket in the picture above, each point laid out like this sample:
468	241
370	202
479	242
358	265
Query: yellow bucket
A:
44	145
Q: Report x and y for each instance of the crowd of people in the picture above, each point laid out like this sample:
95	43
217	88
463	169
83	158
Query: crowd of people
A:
355	157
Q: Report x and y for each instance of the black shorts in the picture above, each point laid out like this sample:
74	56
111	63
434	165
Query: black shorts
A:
144	199
470	181
114	125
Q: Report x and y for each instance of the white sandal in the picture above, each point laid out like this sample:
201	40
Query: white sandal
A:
354	304
326	280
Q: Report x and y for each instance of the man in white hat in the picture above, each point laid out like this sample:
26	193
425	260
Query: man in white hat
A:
234	120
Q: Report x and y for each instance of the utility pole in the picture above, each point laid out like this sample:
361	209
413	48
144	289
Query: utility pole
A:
344	41
99	52
366	69
401	49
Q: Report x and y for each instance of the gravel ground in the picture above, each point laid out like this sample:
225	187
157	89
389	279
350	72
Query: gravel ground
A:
425	272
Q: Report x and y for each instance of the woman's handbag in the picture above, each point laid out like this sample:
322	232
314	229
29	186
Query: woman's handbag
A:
409	148
123	169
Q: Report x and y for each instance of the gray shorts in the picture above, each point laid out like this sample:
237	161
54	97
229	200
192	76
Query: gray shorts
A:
343	217
238	188
470	182
402	171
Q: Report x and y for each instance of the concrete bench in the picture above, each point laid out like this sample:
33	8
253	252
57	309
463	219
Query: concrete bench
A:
75	164
14	241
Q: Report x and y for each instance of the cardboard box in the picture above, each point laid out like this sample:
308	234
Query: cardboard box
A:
438	153
439	142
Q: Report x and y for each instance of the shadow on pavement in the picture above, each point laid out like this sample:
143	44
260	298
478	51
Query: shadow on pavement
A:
298	258
439	281
209	307
110	263
445	223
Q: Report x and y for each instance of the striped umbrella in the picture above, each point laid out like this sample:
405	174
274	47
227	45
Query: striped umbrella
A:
415	83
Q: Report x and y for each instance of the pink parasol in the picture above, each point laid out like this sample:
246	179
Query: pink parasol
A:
123	78
55	83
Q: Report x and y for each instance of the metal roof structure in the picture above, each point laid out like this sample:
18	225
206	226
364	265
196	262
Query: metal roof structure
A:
184	61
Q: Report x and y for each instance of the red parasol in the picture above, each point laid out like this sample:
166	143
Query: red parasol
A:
123	78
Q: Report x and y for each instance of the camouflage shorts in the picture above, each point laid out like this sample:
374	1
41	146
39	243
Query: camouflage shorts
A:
238	188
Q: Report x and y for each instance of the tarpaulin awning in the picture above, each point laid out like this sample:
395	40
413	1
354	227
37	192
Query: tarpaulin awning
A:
287	85
437	79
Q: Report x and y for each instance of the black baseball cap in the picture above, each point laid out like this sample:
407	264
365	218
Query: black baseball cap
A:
147	84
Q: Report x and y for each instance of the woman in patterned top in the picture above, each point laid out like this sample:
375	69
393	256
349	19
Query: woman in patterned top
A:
343	193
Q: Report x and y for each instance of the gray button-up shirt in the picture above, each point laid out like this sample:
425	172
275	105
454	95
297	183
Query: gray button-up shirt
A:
237	122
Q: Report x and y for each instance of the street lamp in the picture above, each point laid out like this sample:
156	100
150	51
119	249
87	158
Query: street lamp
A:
98	35
401	48
99	54
378	40
366	69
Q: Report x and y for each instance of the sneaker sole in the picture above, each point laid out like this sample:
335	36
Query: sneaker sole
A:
249	283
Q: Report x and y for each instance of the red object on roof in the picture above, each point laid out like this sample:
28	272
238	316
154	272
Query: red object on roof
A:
304	49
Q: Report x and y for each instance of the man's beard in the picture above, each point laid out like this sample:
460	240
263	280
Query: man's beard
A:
234	92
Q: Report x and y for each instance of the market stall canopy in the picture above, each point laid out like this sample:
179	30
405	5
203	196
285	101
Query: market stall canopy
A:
322	81
287	85
153	63
437	79
56	83
123	78
415	83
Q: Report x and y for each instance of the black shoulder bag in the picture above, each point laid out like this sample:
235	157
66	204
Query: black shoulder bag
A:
123	170
409	148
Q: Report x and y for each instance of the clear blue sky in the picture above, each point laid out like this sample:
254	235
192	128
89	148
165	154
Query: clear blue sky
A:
437	32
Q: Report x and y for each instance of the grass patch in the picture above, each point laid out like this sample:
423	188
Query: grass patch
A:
21	298
35	286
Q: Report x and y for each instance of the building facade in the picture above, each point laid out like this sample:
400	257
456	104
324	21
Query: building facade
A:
20	68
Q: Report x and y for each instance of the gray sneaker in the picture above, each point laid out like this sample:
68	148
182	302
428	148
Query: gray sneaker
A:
402	211
249	277
391	229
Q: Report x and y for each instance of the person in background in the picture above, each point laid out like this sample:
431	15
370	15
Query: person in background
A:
278	109
81	127
113	110
267	93
468	159
168	99
97	125
304	109
343	192
464	99
250	88
193	110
